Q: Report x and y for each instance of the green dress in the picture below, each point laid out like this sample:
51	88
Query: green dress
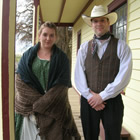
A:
40	68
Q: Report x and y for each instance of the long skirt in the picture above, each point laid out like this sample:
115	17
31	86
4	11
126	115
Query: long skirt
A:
26	128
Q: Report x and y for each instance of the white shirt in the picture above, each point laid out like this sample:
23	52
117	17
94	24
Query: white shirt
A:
122	78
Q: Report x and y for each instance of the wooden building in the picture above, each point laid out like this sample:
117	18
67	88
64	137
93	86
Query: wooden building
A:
68	13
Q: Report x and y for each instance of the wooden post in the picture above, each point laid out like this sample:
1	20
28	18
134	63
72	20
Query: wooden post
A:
35	22
7	43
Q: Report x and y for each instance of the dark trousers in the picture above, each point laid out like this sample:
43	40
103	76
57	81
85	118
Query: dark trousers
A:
111	117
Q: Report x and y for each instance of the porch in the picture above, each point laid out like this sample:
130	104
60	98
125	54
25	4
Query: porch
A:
74	99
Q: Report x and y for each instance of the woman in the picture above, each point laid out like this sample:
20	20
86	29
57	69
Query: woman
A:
42	109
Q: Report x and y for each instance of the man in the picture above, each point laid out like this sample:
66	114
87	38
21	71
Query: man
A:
102	71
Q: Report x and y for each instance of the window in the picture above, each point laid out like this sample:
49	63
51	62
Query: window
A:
119	28
78	39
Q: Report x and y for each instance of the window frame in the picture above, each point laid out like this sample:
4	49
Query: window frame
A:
116	4
78	39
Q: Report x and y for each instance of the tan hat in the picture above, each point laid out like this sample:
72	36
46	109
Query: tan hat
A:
99	11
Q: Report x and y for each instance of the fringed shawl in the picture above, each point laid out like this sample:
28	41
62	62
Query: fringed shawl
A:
52	110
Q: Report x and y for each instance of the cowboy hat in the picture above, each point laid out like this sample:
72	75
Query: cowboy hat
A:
99	11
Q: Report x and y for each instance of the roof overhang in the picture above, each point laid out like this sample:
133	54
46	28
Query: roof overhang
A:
62	12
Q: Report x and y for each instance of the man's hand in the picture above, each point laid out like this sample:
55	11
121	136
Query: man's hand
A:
100	107
95	100
123	92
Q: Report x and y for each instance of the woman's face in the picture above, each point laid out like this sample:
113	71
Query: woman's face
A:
47	37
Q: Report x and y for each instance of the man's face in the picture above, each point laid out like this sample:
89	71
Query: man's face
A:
100	25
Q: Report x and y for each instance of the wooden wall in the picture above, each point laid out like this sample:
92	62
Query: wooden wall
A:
132	98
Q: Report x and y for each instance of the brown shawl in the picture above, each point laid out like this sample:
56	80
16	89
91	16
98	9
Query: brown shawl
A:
52	110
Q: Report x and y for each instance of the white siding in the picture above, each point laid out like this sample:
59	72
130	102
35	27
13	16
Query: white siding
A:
132	99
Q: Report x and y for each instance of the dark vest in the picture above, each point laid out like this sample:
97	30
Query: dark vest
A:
100	72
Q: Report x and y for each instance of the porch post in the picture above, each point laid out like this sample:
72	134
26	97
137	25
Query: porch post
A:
35	22
1	125
7	49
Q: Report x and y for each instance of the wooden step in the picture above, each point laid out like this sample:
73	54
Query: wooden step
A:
125	135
